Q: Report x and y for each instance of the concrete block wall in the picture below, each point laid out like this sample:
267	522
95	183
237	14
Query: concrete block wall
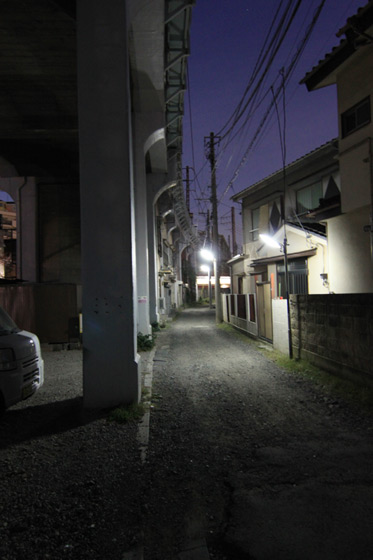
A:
280	325
335	332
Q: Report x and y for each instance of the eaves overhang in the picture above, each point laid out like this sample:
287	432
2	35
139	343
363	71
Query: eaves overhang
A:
328	149
358	33
236	259
324	74
280	258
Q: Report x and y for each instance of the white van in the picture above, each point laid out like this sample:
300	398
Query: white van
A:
21	363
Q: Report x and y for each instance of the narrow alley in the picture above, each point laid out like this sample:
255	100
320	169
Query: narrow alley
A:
244	461
248	461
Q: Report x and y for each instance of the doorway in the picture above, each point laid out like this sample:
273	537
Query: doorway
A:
264	296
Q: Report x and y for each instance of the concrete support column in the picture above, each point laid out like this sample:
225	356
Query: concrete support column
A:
152	245
110	363
141	219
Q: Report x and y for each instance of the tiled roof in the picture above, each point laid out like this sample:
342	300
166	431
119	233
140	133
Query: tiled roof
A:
331	143
354	29
351	20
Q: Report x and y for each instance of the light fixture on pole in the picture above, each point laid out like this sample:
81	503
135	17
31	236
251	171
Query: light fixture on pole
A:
206	254
268	240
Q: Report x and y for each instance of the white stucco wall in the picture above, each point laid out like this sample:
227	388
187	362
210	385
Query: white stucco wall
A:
350	266
354	84
355	173
318	265
280	325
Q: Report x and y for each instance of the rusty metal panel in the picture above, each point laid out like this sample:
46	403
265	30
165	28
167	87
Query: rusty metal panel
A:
44	309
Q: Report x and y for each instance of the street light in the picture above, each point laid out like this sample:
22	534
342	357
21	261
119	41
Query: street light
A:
268	240
206	254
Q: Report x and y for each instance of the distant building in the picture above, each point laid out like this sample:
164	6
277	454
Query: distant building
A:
8	240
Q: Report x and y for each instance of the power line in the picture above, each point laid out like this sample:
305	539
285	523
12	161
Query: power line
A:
287	74
239	112
252	104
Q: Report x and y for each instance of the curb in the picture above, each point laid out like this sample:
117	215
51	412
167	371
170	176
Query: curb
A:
146	364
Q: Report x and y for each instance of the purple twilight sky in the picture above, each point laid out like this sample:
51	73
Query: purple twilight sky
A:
227	37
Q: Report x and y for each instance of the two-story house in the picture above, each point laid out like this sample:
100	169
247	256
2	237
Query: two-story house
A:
283	208
350	234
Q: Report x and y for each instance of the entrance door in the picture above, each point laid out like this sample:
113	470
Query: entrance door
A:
265	310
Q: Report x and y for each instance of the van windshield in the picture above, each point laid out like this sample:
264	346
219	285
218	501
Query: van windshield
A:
7	325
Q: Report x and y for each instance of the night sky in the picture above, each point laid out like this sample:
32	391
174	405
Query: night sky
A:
227	37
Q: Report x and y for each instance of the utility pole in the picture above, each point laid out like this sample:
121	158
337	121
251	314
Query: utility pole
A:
208	237
209	265
210	143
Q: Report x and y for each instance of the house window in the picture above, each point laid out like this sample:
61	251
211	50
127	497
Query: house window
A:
255	224
356	117
309	198
298	277
240	285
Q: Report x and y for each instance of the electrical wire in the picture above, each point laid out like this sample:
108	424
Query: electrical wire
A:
257	67
201	197
253	104
287	74
240	111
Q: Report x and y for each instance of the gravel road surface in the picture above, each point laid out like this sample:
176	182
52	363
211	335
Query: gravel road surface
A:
249	460
244	461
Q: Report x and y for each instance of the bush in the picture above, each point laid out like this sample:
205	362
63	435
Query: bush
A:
145	342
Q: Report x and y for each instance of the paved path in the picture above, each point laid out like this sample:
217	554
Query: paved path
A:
248	461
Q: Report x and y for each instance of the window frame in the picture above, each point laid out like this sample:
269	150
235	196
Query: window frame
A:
353	112
298	274
315	185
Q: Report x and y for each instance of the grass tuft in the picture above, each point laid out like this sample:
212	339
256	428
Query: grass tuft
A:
127	413
329	383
